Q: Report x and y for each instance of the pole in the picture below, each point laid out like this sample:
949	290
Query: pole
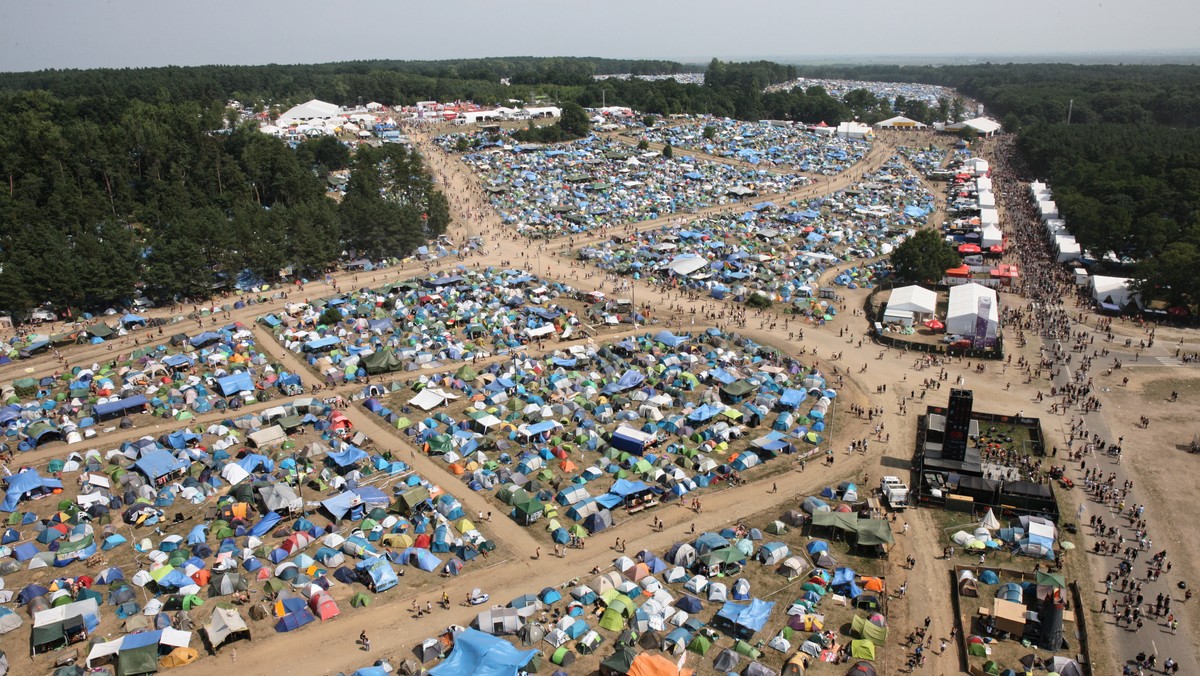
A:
1070	109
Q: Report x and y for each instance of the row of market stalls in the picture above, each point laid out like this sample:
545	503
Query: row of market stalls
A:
582	185
580	434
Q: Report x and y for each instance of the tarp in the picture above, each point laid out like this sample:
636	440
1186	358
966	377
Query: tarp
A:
234	384
20	485
481	654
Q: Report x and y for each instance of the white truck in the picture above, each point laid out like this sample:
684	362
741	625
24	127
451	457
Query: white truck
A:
894	491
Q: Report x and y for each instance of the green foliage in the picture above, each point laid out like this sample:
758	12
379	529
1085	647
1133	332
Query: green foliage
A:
107	195
573	124
330	316
710	132
643	145
924	257
758	301
668	151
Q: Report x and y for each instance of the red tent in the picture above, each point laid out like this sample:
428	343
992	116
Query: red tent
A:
323	605
968	249
934	324
960	271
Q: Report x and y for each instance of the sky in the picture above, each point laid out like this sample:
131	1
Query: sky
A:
39	34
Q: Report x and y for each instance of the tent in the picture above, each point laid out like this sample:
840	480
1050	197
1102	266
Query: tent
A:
918	300
226	625
482	655
964	308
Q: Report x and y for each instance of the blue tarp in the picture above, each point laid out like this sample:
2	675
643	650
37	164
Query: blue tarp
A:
117	408
481	654
628	380
160	463
22	484
747	618
624	488
238	382
669	339
348	457
705	413
322	344
379	571
265	525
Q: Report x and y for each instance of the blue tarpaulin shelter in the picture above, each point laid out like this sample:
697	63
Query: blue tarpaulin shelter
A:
22	484
159	464
118	408
481	654
746	620
234	384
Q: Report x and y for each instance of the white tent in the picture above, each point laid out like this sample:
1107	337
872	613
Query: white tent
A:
991	236
899	122
853	130
430	398
913	299
1112	290
310	110
687	264
977	166
964	308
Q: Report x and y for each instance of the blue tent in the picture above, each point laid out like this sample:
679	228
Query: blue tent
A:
294	620
745	620
481	654
158	464
18	486
378	573
234	384
119	407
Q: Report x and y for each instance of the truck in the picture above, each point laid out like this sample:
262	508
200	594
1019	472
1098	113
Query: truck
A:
894	492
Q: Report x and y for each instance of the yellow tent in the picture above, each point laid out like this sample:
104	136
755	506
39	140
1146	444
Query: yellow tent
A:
178	657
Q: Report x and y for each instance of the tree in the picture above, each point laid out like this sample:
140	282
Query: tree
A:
574	120
668	152
643	144
924	257
330	316
710	132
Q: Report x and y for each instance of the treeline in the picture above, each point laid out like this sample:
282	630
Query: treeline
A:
344	83
106	196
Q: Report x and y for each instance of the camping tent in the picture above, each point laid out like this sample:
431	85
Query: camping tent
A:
478	653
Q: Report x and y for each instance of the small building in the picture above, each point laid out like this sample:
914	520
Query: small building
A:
309	111
917	301
854	130
1113	293
984	126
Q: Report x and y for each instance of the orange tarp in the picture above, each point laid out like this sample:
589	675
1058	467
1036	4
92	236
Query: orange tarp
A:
646	664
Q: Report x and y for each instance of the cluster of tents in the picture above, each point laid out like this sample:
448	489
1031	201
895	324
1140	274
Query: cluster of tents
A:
424	322
585	431
658	602
213	370
575	187
244	540
1029	536
792	147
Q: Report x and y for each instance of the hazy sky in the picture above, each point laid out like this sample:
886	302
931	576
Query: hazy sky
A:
36	34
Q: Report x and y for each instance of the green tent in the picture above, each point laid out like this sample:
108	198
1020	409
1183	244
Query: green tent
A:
700	644
612	620
410	499
747	650
466	373
619	662
991	668
874	532
360	600
863	628
843	521
143	660
529	512
863	649
382	361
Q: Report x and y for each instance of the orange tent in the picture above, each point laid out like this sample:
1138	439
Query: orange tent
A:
646	664
568	466
201	577
873	584
456	468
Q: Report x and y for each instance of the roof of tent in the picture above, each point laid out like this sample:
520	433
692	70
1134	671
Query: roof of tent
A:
913	299
483	655
964	301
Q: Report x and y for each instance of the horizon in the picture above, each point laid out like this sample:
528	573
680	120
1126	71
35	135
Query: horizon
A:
68	34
